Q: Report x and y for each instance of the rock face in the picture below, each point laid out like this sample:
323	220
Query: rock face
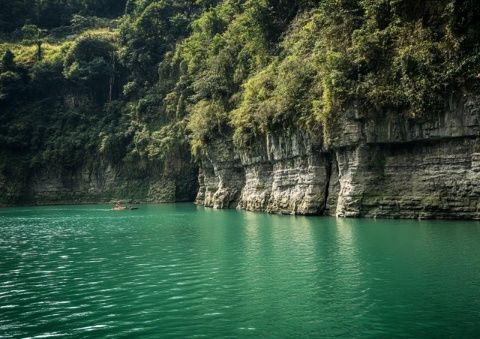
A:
222	176
432	180
279	174
100	181
399	168
386	166
285	174
380	166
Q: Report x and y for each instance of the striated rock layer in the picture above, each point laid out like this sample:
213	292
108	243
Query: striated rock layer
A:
279	174
386	166
222	176
285	174
99	181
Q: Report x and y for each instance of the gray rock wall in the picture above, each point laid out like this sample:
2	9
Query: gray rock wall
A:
395	167
279	174
382	166
222	176
431	180
99	181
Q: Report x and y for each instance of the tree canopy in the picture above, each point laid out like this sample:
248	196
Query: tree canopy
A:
135	80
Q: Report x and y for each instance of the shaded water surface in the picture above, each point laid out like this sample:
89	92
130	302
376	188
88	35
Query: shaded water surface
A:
185	271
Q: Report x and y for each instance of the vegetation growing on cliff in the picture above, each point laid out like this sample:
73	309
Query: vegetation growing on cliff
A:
136	81
378	56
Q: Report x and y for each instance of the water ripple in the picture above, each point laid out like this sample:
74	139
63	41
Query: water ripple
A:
182	271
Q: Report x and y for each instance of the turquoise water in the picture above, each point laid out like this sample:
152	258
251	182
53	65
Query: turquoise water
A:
184	271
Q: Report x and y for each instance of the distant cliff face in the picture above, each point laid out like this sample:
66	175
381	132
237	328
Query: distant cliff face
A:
99	181
385	166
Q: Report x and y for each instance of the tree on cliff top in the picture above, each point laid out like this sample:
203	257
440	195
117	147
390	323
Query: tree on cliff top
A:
32	34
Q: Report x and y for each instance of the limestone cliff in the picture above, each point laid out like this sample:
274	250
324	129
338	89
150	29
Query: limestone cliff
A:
374	166
99	181
222	176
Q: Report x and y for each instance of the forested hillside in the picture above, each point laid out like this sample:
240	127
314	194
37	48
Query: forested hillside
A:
53	15
141	82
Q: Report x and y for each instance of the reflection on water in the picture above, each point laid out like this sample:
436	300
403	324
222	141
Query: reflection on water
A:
185	271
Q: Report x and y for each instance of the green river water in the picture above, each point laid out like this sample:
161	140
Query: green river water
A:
183	271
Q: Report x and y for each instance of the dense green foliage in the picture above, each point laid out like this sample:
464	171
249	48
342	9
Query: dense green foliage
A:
53	13
376	56
134	81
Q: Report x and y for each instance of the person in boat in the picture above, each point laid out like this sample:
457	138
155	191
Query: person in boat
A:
118	207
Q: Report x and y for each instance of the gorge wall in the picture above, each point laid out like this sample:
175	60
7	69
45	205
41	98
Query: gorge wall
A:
386	166
100	181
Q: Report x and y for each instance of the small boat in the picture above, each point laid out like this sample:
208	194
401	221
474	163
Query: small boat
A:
124	208
119	207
